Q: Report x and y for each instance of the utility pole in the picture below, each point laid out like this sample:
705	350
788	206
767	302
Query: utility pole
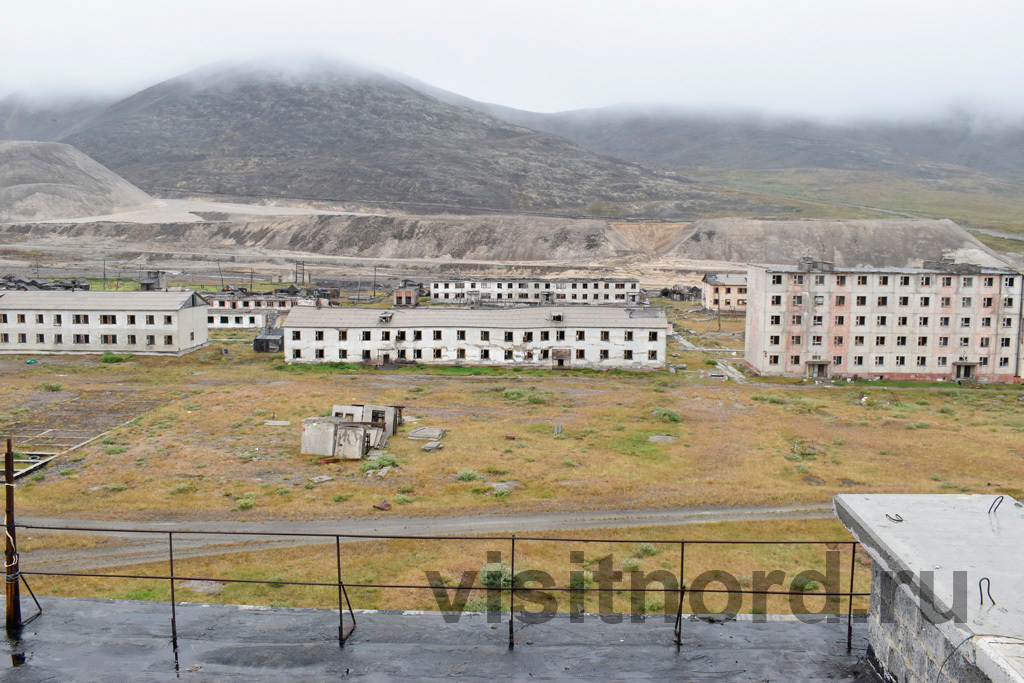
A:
13	577
250	280
104	273
375	282
221	271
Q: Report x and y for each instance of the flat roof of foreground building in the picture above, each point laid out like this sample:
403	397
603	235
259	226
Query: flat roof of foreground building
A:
524	317
98	301
118	640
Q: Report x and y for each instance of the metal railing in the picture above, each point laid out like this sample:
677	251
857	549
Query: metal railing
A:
344	604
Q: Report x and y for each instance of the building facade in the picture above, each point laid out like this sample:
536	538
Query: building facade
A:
252	311
945	321
537	291
544	337
725	292
164	323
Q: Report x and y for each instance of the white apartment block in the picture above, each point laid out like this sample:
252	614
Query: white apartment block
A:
725	292
945	321
164	323
601	337
251	311
537	291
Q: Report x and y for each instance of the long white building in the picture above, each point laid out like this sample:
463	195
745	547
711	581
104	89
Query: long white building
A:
537	291
544	337
170	323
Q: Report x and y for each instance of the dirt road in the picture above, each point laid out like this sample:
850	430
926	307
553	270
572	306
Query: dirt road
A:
135	547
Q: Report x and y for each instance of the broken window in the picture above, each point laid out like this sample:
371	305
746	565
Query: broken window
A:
652	336
527	336
485	354
385	335
296	335
342	335
604	354
417	335
105	319
545	335
485	335
581	354
560	335
509	336
460	354
652	355
319	335
460	335
605	336
508	354
437	335
437	353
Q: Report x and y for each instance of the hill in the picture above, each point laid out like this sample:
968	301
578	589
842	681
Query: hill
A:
46	180
851	243
327	131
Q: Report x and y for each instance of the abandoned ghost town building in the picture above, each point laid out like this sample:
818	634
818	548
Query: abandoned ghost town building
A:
170	323
942	321
256	310
725	292
494	291
587	337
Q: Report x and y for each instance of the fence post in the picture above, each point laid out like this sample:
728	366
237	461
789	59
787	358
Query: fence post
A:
682	593
849	612
174	606
12	572
341	605
512	599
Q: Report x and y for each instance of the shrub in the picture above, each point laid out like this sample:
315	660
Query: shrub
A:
920	424
496	575
502	494
109	357
581	579
630	564
247	502
342	497
38	476
667	415
405	488
386	460
800	583
467	475
187	487
403	499
117	487
568	462
646	550
114	449
536	399
512	394
50	386
947	410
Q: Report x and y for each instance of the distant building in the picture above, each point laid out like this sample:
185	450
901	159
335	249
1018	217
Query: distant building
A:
155	280
945	321
269	341
407	296
237	309
537	291
170	323
544	337
725	292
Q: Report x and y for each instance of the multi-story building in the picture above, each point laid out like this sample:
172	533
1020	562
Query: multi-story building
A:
252	310
943	321
549	337
537	291
170	323
726	292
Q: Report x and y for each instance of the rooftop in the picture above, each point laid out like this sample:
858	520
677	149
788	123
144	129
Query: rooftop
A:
526	317
97	301
115	640
533	279
727	279
932	267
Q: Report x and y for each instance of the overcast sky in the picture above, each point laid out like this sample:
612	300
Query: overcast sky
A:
818	57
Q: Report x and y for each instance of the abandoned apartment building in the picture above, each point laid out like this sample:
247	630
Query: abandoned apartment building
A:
238	309
944	321
171	323
725	292
551	337
538	291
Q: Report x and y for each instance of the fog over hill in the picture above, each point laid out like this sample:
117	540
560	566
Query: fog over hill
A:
331	131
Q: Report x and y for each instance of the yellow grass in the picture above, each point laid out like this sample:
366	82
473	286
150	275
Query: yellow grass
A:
206	450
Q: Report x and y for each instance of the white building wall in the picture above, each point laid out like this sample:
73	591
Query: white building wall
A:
141	332
647	346
591	292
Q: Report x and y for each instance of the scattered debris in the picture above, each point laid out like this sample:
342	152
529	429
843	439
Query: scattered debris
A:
226	352
383	472
328	461
510	437
432	446
558	429
843	481
390	417
509	486
321	478
277	423
813	481
662	438
336	436
204	587
383	505
427	433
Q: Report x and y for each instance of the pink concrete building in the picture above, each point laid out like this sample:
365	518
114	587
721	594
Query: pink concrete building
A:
945	321
725	292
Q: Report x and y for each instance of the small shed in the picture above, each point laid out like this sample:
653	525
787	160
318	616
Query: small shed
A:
269	341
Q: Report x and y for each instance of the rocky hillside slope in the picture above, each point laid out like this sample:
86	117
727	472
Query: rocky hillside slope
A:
880	243
47	180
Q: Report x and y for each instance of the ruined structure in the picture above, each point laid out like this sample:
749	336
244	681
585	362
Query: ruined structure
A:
339	437
725	292
388	416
